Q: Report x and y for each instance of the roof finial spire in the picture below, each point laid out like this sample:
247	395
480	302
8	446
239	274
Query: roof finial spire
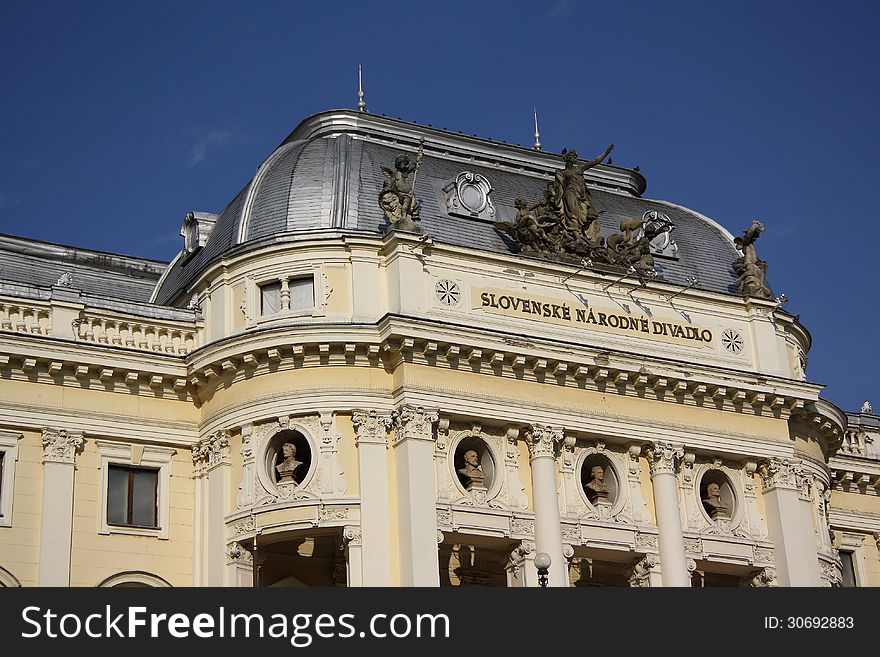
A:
537	134
362	106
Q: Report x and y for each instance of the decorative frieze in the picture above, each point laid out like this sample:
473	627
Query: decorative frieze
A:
646	542
61	446
414	423
243	526
444	518
522	527
764	555
663	457
694	547
333	513
542	440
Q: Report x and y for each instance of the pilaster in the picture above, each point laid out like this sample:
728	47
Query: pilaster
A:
60	449
374	534
416	495
788	512
211	471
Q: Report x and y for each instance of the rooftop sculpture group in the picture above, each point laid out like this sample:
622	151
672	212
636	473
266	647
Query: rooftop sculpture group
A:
565	223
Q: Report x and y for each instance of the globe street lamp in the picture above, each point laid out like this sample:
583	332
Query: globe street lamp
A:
542	563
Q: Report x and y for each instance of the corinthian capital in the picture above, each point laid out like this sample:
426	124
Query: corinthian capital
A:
61	446
781	473
371	427
211	451
664	458
542	440
414	423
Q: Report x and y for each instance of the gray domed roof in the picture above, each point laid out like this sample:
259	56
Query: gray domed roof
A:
325	178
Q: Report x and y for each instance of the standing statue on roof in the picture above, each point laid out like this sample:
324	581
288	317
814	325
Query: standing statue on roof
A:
397	198
571	199
750	269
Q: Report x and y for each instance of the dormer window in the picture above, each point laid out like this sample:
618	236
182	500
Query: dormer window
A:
195	230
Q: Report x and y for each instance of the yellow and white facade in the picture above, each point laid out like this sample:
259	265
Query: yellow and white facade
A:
383	357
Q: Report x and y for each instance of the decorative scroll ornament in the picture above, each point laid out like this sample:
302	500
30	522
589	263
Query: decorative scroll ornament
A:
542	440
469	196
642	571
61	446
765	577
351	535
371	427
663	458
750	269
397	198
236	553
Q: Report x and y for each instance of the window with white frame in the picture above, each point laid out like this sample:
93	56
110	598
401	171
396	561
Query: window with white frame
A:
135	488
296	294
270	298
8	458
852	558
132	496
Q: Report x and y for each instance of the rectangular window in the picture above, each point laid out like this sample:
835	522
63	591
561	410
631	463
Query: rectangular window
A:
2	457
132	495
849	571
270	298
302	293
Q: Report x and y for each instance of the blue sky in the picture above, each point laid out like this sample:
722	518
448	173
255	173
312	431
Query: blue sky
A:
117	118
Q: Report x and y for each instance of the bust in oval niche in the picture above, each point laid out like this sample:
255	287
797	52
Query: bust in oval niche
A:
288	466
599	481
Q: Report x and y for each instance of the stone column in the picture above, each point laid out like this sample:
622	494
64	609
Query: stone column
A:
374	534
60	449
211	469
664	458
793	539
416	496
543	442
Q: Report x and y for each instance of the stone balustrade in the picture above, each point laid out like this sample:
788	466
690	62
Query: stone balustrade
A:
169	337
26	317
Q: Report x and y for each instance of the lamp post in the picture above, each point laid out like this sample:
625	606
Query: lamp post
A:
542	563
